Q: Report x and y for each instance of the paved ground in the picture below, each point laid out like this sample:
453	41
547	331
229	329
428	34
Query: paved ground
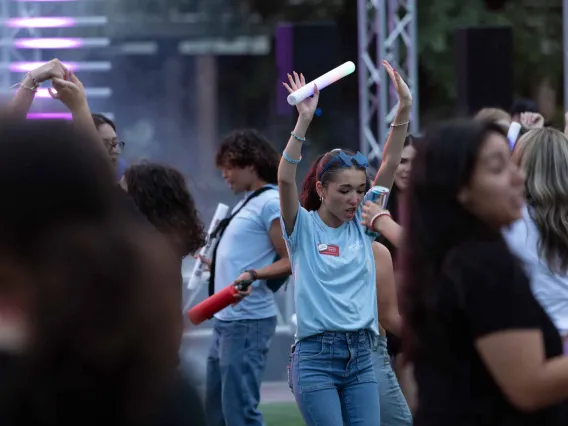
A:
272	392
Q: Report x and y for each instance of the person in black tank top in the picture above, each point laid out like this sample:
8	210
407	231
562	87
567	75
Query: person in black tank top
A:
484	351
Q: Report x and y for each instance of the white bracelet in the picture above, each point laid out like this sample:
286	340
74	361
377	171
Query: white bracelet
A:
399	124
375	217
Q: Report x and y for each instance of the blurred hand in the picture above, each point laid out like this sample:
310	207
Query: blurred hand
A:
402	90
206	262
532	120
70	91
49	70
307	107
245	276
369	211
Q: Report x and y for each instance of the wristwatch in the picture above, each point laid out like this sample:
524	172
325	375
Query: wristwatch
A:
253	274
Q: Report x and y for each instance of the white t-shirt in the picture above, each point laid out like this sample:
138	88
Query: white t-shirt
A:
549	288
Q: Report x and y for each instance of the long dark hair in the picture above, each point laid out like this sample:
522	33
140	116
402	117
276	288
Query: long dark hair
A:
161	194
309	198
433	219
99	302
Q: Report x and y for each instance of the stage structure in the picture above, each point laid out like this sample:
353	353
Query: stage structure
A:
35	31
387	30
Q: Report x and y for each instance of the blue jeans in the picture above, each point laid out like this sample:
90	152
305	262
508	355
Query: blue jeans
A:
333	379
235	365
394	409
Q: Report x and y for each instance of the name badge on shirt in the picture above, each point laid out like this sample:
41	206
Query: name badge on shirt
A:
328	249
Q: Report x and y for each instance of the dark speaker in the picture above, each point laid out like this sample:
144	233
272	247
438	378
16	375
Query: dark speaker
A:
484	67
311	49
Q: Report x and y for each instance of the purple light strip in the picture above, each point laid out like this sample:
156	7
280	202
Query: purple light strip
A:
43	1
48	43
49	116
28	66
47	22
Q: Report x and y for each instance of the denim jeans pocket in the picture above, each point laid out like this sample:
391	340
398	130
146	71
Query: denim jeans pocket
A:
310	347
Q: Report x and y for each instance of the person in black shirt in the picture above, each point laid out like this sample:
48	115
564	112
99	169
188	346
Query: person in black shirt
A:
484	351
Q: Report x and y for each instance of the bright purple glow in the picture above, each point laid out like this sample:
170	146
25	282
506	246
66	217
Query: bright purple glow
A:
29	66
50	116
48	43
48	22
42	1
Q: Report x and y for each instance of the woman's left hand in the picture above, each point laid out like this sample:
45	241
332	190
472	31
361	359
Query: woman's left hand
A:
402	90
532	120
370	210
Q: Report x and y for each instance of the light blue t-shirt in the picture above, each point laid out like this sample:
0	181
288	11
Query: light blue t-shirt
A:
246	245
334	275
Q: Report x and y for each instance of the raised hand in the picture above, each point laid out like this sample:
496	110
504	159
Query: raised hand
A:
49	70
70	91
532	120
402	90
306	108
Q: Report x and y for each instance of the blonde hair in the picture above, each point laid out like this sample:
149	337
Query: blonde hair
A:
495	115
543	155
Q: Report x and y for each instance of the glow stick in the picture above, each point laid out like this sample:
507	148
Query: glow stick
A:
513	133
322	82
199	270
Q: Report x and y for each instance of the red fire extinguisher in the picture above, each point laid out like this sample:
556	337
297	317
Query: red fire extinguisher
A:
219	301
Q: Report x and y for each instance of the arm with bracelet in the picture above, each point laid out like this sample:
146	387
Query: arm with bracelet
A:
27	89
292	154
394	145
380	220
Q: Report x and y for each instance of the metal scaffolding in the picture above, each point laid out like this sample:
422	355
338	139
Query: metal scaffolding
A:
10	9
386	30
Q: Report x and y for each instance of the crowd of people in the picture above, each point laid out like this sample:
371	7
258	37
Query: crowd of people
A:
447	307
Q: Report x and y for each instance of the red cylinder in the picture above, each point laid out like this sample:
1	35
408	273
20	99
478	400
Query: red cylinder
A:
213	304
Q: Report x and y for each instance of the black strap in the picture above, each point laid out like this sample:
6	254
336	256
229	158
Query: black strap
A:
220	230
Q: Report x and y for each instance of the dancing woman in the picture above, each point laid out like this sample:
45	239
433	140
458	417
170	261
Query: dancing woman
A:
332	374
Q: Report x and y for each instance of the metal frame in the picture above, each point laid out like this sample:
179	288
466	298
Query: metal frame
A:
9	35
386	30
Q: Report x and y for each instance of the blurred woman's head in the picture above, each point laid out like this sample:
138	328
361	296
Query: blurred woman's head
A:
161	194
463	186
403	171
107	131
87	290
543	156
337	183
495	115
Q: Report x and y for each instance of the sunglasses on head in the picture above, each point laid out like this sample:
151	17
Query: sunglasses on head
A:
345	160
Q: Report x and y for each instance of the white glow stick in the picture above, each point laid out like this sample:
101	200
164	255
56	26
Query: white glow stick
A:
199	270
322	82
513	133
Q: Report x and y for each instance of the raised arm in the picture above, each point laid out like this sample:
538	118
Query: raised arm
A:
22	100
72	93
293	153
387	300
399	128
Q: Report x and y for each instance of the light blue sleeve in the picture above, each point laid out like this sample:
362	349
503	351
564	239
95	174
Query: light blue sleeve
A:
293	239
358	217
270	212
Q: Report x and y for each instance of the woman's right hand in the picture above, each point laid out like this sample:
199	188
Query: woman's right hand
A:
307	107
70	91
49	70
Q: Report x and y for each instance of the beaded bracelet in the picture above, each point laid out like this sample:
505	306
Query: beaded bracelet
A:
298	138
290	159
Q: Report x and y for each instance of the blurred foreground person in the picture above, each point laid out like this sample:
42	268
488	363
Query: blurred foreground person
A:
484	351
88	314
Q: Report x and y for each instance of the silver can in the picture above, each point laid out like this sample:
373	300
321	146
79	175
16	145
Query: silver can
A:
380	196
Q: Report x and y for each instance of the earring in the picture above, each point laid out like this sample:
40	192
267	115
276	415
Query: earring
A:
321	199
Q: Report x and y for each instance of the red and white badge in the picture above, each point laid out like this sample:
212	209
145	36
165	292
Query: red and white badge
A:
328	249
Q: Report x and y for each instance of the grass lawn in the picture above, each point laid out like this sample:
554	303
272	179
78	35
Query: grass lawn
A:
285	414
